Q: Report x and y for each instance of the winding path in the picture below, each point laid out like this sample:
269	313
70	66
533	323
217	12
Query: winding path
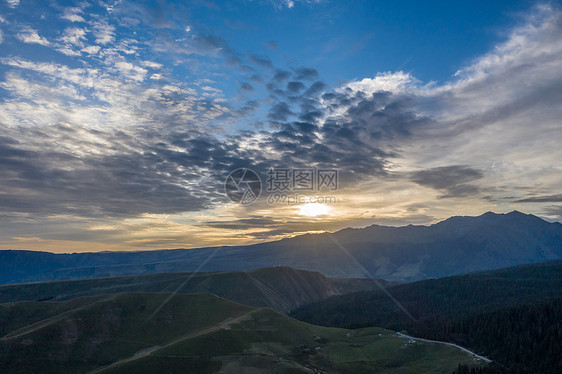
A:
445	343
148	351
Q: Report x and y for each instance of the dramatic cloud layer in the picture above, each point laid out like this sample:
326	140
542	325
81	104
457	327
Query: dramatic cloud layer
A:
119	137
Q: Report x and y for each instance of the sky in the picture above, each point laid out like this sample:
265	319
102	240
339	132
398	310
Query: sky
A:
124	124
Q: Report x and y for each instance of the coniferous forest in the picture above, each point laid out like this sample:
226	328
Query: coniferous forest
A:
512	316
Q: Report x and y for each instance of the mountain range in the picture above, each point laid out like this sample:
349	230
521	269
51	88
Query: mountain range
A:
401	254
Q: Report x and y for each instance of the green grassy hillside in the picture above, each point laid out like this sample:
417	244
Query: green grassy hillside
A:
280	288
197	333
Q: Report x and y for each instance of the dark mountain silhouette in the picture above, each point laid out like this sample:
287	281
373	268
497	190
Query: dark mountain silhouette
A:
454	246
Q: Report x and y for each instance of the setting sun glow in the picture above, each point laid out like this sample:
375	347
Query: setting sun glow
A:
314	209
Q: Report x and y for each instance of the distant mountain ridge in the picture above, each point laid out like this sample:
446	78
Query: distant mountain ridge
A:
454	246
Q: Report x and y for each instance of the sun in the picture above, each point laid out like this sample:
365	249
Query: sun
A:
314	209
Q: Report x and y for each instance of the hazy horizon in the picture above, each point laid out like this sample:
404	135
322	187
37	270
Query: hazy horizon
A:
57	251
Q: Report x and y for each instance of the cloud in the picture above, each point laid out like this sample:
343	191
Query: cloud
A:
261	61
73	15
541	199
74	35
57	183
451	179
111	132
84	77
291	3
281	75
244	223
554	211
104	32
247	87
91	137
280	112
152	64
482	117
30	36
1	37
398	82
305	73
295	87
131	71
39	93
91	50
13	3
72	42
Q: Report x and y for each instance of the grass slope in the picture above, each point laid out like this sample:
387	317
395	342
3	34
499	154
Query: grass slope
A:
280	288
197	333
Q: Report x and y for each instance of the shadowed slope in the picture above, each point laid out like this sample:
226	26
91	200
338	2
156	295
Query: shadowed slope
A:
280	288
197	333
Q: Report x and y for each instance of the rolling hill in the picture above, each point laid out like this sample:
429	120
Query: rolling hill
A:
197	333
280	288
455	246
